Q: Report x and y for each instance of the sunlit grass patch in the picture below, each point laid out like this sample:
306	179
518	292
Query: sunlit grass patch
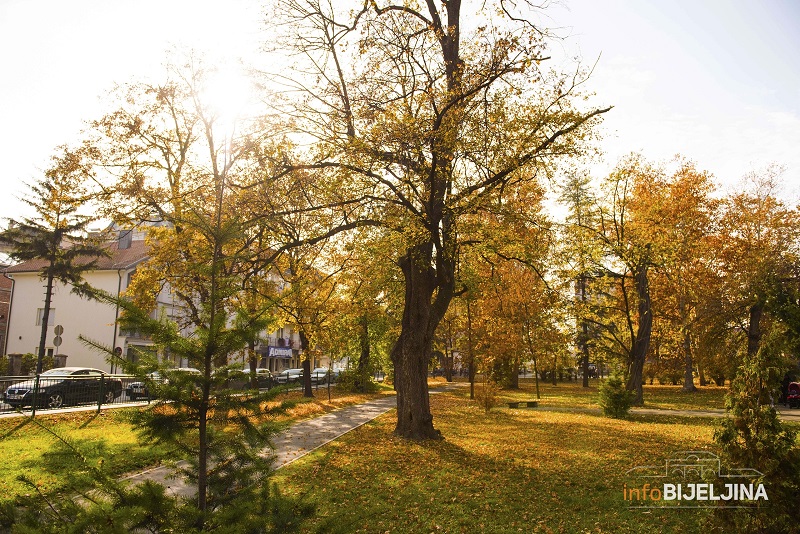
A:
674	398
24	445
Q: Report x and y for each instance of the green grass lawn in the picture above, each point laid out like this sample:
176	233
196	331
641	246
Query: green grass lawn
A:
24	444
509	471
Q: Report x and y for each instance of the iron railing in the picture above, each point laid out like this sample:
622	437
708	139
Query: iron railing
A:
30	394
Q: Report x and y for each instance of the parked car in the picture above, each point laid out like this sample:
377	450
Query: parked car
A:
241	379
793	395
319	375
288	376
65	386
139	390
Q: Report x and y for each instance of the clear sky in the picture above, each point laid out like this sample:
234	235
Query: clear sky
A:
717	81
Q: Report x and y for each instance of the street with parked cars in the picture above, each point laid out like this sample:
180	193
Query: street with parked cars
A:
320	375
64	386
76	386
140	390
289	376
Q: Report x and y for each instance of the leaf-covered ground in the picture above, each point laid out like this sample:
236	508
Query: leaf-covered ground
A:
572	394
24	445
513	470
522	470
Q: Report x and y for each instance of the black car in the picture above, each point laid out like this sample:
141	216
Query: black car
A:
65	386
139	390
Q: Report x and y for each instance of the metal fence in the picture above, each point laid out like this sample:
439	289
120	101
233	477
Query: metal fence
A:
42	392
31	394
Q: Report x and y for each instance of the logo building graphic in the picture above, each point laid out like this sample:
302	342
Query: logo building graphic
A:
693	479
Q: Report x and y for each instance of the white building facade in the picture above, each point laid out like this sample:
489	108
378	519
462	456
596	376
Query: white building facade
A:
71	315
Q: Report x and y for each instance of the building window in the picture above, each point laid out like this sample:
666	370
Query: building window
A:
51	319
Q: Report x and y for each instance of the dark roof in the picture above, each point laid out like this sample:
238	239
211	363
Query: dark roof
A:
119	259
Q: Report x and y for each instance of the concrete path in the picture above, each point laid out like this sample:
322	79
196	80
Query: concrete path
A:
306	436
294	442
291	444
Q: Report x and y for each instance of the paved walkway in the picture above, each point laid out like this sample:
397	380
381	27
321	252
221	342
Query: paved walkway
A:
306	436
294	442
291	444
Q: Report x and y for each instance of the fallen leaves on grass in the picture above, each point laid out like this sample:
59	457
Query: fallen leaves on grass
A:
509	471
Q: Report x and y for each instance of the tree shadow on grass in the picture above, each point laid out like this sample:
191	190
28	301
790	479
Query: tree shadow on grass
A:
90	420
18	427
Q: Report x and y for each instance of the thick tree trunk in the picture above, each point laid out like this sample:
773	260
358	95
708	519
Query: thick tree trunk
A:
585	357
584	341
688	372
202	459
252	360
515	374
202	436
532	351
470	355
448	354
307	390
688	369
643	332
412	352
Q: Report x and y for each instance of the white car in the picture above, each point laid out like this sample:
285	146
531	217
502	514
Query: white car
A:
289	376
241	379
320	375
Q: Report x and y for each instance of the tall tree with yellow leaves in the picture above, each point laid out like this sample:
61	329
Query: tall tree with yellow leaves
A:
757	250
422	118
